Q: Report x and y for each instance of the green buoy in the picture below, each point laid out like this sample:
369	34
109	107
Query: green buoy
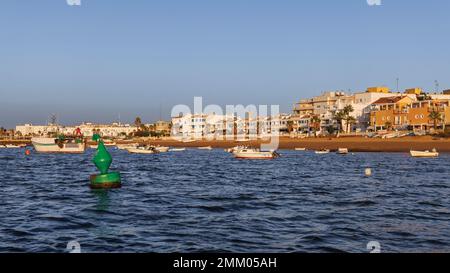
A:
103	160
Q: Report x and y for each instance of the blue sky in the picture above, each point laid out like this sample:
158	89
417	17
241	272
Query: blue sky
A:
107	57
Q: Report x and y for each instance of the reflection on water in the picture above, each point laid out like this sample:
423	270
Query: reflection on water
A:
208	201
103	199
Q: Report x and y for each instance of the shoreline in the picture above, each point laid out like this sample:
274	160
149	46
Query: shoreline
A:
354	144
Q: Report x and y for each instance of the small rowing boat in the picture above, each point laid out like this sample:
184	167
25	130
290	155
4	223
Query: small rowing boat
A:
250	153
177	149
322	152
425	154
300	149
205	148
142	150
342	151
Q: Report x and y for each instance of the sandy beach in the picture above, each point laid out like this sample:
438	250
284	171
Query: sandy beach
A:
354	144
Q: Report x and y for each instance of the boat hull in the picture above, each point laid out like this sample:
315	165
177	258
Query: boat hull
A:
67	148
424	154
140	151
258	155
162	149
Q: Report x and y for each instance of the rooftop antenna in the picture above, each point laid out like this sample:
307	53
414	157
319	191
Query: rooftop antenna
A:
398	80
436	83
119	119
53	119
160	106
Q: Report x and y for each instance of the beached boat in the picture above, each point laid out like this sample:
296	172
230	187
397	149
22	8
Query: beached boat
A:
12	146
205	148
433	153
142	150
177	149
300	149
188	140
249	153
321	152
342	151
53	145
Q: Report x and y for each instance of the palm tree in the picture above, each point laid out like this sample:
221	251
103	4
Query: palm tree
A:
388	125
290	126
138	122
339	117
436	117
315	122
347	117
349	120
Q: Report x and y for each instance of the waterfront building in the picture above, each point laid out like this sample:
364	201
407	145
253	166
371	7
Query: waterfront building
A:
328	104
87	129
407	113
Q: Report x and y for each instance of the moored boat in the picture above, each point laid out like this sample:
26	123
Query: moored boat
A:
342	151
324	151
142	150
300	149
433	153
250	153
12	146
205	148
53	145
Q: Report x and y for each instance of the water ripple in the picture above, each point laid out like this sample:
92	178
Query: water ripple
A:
198	201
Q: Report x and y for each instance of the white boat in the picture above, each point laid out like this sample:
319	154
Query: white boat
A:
188	140
322	152
12	146
142	150
177	149
300	149
433	153
205	148
342	151
53	145
2	147
249	153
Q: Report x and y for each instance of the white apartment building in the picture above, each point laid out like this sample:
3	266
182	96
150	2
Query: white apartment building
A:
212	126
87	129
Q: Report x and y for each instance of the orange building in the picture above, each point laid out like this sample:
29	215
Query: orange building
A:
403	112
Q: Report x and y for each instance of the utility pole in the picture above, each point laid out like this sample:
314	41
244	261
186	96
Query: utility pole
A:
436	83
398	80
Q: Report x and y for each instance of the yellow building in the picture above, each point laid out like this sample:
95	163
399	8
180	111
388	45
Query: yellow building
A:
304	107
390	112
413	91
378	89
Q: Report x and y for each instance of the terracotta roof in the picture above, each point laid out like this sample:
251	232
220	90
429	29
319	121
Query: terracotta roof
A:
389	100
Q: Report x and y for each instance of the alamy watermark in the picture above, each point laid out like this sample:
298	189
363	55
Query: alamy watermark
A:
73	2
374	2
235	122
